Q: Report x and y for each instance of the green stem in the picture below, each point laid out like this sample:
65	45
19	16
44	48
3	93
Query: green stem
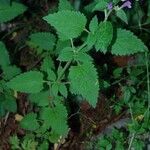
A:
64	70
131	141
82	46
67	64
87	31
107	14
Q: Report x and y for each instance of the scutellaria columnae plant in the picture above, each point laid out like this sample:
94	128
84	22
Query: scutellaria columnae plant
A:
49	85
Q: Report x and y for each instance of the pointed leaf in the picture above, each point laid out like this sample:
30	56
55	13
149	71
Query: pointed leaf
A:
4	56
70	24
29	122
9	12
63	90
41	99
127	43
66	54
104	36
84	81
64	5
56	118
29	82
55	89
122	15
42	40
93	24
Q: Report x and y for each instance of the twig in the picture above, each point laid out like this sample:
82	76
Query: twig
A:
131	141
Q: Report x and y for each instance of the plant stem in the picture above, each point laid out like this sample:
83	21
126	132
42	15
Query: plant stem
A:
87	31
82	46
107	14
133	134
131	141
64	69
67	64
72	45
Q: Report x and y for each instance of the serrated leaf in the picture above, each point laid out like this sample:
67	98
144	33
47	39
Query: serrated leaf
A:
127	43
84	81
9	12
93	24
56	118
104	36
100	6
51	75
41	99
91	39
70	24
47	63
42	41
122	15
83	57
29	82
29	122
4	56
63	90
55	89
66	54
64	5
61	45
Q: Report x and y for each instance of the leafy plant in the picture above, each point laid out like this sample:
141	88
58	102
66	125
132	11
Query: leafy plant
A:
67	68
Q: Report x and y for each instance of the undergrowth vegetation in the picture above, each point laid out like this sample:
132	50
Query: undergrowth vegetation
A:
78	57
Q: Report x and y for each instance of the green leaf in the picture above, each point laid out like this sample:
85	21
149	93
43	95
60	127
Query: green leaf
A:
66	54
10	103
64	5
117	72
55	89
82	57
93	24
44	146
100	6
54	137
11	71
61	45
104	36
29	82
127	43
42	41
47	63
91	40
56	118
84	81
9	12
41	99
29	122
4	56
14	142
63	90
51	75
122	15
69	24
